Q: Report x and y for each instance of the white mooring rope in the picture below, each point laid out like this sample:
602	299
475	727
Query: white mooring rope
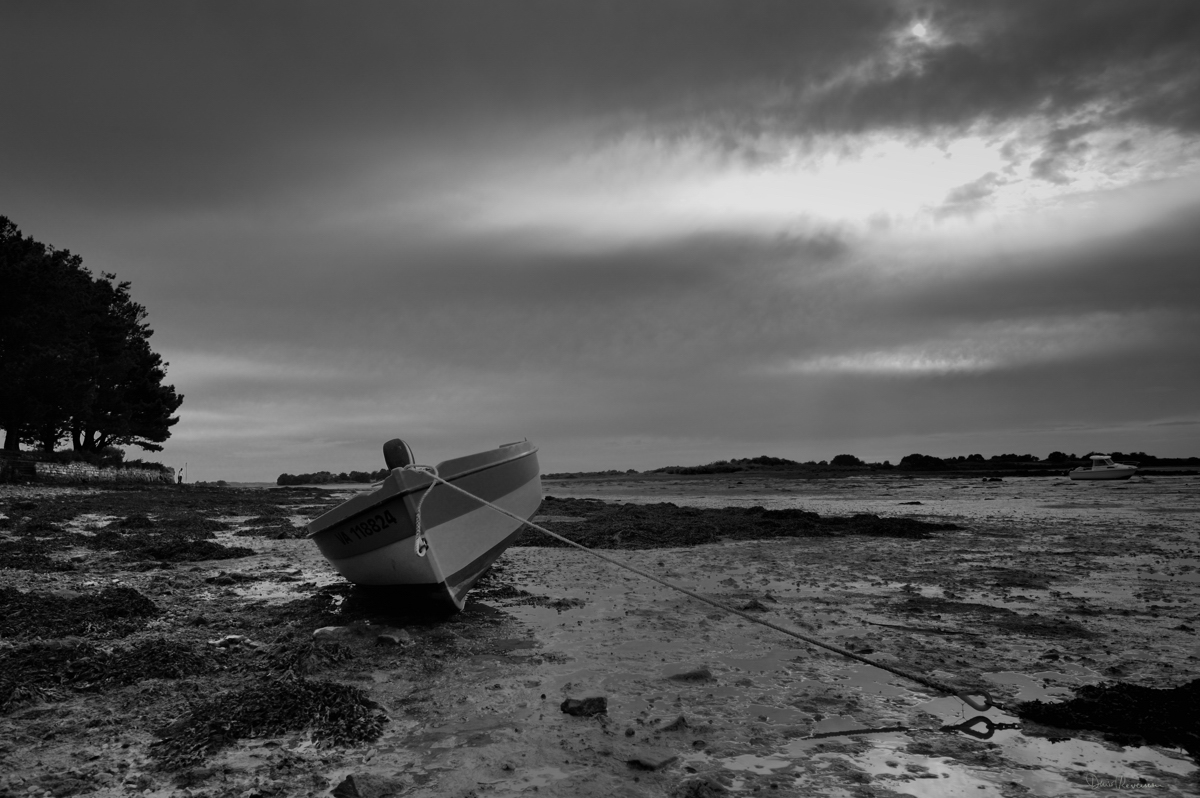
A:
964	695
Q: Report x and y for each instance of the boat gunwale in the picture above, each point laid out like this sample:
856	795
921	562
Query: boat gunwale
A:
407	491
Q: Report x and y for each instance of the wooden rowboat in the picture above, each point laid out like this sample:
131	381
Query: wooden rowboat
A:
371	539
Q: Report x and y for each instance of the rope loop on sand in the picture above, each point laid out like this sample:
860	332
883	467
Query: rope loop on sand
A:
966	696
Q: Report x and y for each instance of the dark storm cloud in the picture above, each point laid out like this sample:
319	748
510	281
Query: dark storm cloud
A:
151	103
1139	61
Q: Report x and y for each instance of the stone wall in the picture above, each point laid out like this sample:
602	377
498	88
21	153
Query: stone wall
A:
85	472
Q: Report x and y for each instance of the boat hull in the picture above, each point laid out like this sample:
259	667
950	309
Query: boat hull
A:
371	539
1105	473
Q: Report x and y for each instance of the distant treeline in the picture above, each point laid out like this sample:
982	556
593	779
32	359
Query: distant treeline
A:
1054	460
612	472
912	462
327	477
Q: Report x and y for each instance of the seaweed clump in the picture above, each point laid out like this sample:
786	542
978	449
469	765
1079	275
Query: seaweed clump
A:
335	714
665	524
113	612
42	669
1128	714
178	539
31	555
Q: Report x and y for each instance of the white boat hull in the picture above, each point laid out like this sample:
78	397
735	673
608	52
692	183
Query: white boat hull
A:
1120	472
371	539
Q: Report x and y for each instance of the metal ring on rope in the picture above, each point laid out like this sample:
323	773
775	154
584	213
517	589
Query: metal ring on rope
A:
420	542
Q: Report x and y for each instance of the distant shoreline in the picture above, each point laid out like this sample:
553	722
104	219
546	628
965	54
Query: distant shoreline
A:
798	474
833	472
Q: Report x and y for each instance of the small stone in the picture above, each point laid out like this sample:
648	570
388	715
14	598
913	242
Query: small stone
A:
331	632
695	675
390	636
679	724
228	641
347	789
585	708
651	761
704	787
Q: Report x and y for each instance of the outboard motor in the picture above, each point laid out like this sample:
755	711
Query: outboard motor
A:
397	454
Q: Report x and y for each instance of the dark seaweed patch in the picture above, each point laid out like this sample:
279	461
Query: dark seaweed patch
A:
921	605
168	546
1043	626
336	714
1017	578
1128	714
647	526
42	668
303	657
1032	625
113	612
29	555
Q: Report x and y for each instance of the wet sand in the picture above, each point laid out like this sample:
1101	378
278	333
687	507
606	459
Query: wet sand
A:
1044	586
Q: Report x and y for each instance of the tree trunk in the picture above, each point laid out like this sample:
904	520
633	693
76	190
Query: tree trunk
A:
12	442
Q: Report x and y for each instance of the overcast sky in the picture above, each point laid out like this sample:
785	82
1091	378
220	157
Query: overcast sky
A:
637	233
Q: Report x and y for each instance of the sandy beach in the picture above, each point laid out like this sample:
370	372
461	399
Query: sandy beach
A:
136	667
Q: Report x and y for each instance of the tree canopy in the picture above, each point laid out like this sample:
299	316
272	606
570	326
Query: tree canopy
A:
75	357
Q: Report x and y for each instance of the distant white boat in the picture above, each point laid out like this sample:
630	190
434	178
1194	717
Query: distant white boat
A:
1103	467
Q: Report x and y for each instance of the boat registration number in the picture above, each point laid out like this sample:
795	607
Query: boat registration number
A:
366	528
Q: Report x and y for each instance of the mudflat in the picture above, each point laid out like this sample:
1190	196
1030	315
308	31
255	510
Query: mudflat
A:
190	641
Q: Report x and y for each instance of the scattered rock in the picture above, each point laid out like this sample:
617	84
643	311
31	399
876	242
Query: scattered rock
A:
695	675
679	724
651	760
367	785
390	636
229	641
699	788
332	633
347	789
585	708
